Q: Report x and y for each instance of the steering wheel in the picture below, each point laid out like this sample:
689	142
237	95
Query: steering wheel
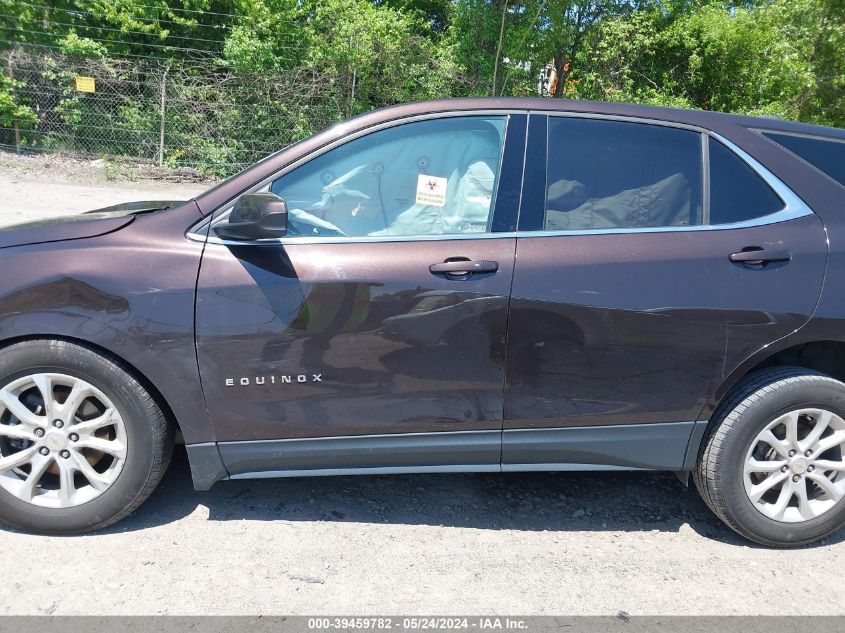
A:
307	224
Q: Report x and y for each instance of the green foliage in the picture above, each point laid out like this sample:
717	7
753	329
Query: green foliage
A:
72	44
374	54
781	58
249	76
11	110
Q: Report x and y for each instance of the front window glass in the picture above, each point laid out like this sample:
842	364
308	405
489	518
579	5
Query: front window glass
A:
611	174
433	177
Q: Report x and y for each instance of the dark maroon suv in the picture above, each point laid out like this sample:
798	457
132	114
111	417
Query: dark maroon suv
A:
469	285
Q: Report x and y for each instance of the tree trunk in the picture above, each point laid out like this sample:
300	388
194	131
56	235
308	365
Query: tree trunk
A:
499	46
562	73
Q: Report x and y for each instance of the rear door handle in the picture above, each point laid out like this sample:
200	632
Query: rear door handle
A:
760	256
464	267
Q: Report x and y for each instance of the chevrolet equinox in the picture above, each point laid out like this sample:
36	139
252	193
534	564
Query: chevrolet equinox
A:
485	285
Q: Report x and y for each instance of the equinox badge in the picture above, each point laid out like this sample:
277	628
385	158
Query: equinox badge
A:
273	380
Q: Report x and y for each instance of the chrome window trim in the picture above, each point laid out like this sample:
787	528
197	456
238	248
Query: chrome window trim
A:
213	239
772	218
622	118
815	137
794	206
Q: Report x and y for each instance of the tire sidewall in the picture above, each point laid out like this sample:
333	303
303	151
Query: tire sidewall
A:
811	392
121	389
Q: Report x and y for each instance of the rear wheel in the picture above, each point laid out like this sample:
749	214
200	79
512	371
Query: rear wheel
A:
82	443
773	465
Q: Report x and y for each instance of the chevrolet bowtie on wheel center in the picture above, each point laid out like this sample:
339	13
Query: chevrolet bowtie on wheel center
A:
472	285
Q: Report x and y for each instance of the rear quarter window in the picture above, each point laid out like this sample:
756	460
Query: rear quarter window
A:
737	192
826	155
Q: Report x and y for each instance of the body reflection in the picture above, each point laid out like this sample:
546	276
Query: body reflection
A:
397	349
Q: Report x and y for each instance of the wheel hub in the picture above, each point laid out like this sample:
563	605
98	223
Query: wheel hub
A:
56	440
799	465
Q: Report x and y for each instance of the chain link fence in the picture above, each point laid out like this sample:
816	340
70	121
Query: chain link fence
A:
174	113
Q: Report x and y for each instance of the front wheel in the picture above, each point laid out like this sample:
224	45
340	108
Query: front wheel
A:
82	443
773	464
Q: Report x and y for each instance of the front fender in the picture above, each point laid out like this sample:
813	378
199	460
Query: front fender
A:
130	292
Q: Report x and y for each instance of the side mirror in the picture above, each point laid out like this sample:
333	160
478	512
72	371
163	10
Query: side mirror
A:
255	216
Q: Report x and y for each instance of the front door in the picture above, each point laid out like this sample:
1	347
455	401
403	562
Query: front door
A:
373	335
629	306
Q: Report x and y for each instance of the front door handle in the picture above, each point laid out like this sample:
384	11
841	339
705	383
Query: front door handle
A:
760	256
464	267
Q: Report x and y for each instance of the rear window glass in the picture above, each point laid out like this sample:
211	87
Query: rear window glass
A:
737	192
825	155
610	174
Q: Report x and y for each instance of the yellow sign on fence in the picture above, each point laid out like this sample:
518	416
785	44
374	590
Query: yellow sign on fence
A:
85	84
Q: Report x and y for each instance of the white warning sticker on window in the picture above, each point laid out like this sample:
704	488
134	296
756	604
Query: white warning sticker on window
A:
431	190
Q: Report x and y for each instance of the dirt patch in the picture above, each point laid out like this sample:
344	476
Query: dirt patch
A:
95	171
37	187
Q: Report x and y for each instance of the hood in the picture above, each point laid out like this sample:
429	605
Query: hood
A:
73	227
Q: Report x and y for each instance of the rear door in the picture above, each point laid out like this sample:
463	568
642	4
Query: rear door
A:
373	335
651	260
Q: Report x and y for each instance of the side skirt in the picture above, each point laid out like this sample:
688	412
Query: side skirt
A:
663	446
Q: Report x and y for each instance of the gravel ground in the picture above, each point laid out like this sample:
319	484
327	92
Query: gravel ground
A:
35	187
504	544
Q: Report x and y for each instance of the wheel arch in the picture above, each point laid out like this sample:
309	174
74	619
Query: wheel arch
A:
130	368
825	355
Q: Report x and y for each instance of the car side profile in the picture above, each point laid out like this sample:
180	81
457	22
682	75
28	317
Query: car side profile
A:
471	285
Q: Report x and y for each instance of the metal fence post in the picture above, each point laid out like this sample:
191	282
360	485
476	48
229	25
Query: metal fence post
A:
354	75
15	123
161	117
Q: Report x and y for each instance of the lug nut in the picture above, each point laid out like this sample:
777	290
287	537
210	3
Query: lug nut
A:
65	454
792	453
810	468
39	432
796	478
58	424
44	450
808	453
74	437
783	469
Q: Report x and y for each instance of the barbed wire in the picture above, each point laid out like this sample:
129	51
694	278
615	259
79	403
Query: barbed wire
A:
6	43
84	12
178	49
124	31
183	10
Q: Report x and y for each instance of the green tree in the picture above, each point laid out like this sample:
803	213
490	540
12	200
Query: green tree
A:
374	54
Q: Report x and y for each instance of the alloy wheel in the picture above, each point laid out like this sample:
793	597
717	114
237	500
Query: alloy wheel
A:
62	441
794	470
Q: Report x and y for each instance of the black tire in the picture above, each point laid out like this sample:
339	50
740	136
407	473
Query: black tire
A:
149	437
752	404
